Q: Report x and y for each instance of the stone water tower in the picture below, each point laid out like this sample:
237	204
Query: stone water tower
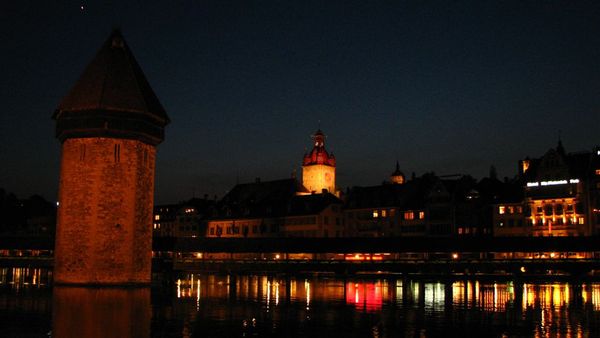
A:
109	125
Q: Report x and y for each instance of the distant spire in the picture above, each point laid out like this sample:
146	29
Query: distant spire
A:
560	148
397	177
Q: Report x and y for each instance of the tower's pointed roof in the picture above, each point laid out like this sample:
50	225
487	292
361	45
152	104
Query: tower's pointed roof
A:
113	81
113	97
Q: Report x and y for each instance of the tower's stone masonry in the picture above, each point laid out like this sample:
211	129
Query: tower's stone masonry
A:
106	189
109	124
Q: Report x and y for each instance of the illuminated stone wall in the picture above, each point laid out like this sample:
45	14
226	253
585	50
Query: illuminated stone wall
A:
104	220
316	177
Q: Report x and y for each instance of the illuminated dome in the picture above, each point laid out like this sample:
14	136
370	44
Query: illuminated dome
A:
397	177
318	154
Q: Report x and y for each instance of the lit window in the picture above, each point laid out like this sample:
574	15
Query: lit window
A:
375	213
421	214
156	217
383	213
501	209
581	220
511	210
409	215
597	171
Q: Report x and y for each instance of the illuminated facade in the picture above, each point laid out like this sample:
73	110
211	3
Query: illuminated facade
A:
318	167
561	196
109	125
559	193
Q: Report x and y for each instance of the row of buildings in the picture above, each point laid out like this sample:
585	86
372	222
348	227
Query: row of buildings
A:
556	194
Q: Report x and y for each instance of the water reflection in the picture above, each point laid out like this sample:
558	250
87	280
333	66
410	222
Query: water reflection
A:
267	305
211	305
22	277
366	295
100	312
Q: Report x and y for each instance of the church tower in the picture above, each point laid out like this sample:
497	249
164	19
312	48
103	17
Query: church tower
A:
397	177
318	167
109	125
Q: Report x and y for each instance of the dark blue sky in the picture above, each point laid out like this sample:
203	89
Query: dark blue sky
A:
449	87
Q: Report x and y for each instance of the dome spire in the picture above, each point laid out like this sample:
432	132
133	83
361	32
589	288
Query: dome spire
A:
397	177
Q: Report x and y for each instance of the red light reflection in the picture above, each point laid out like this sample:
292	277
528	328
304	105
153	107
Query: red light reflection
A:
365	296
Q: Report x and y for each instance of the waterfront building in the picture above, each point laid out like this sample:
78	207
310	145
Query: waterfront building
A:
560	196
469	199
185	219
164	219
280	208
419	207
191	217
510	219
109	125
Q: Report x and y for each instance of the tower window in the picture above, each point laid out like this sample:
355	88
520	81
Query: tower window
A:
82	152
117	153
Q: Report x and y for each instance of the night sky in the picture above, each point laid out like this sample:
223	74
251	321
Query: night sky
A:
449	87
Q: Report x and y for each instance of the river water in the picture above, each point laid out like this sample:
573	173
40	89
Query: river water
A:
210	305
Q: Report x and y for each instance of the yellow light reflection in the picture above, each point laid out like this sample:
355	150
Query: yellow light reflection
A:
307	289
198	295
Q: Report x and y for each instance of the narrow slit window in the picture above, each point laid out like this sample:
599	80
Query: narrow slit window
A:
82	152
117	153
